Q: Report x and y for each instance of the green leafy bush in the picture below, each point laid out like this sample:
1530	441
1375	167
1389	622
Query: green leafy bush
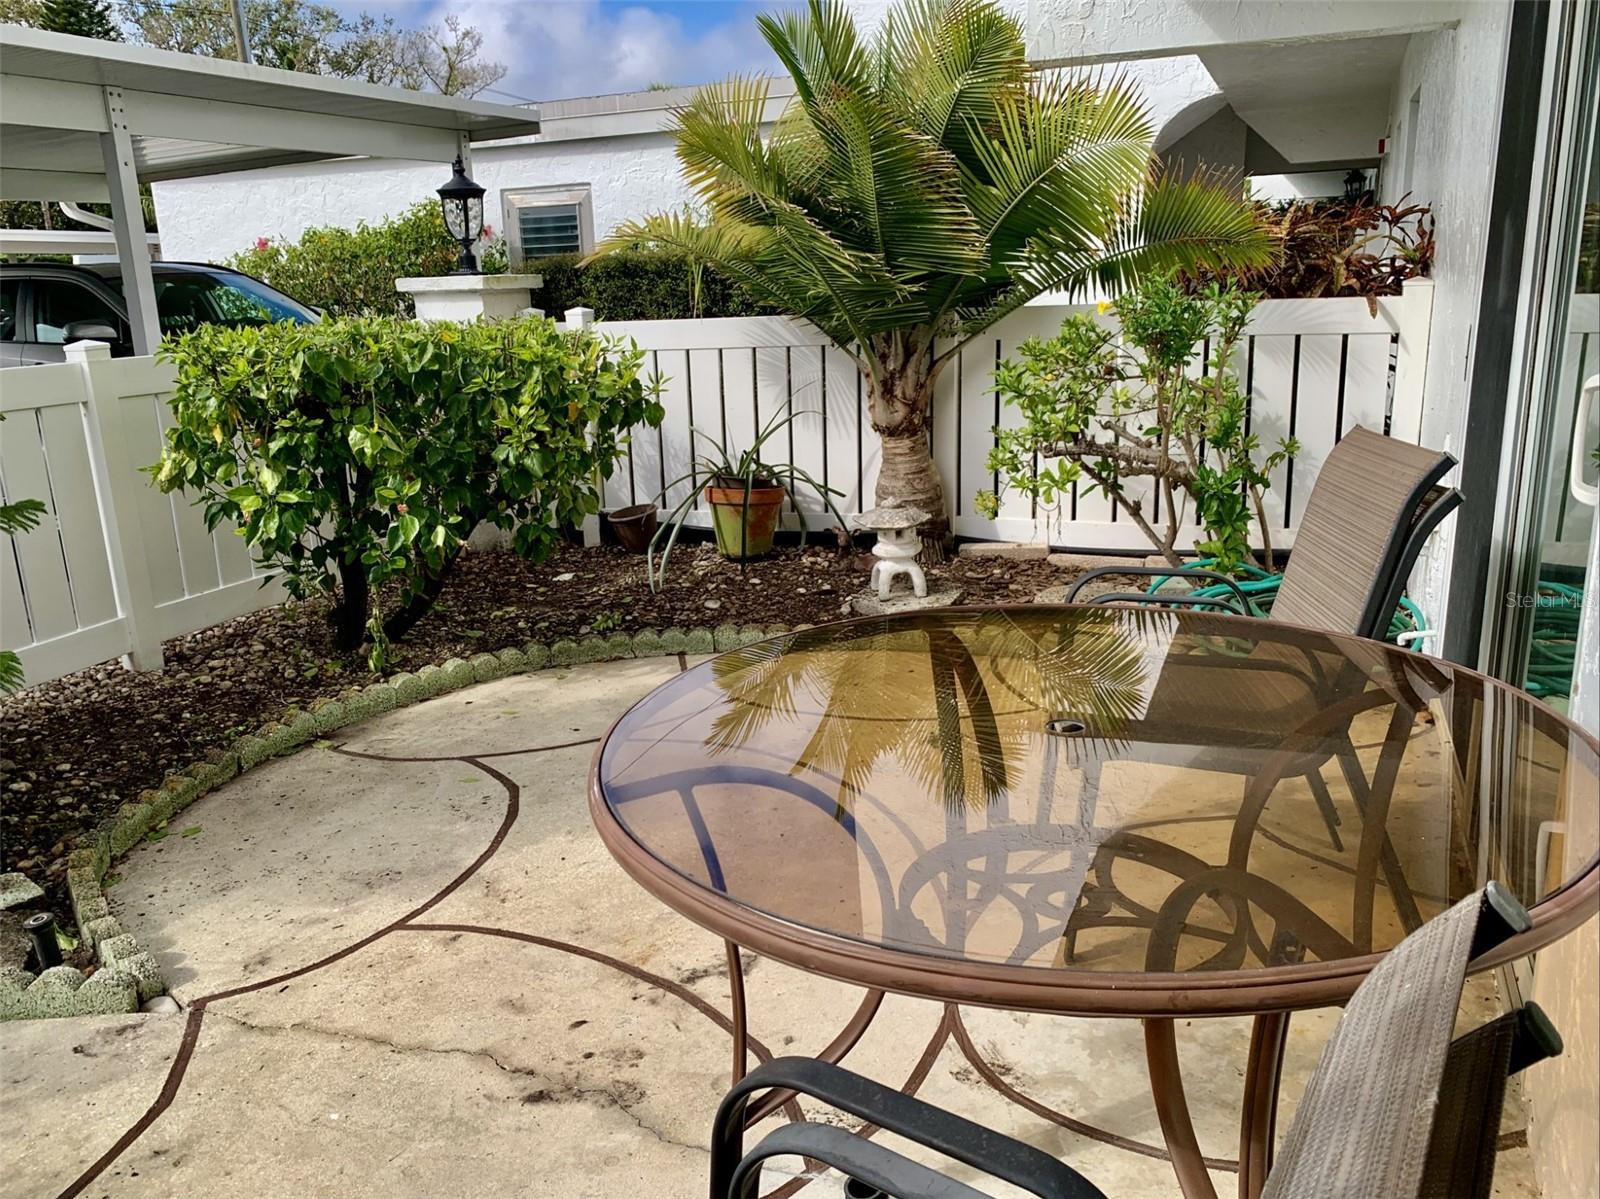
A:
1100	410
365	451
640	285
351	272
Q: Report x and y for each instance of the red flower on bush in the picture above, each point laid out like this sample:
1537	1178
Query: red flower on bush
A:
263	242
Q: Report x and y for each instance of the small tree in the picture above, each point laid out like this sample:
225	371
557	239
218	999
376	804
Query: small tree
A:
85	18
923	183
365	452
1102	408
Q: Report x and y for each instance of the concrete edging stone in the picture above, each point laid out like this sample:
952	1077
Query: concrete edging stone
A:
129	974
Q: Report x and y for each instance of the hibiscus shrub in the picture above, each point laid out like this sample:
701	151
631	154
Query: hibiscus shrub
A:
351	272
357	456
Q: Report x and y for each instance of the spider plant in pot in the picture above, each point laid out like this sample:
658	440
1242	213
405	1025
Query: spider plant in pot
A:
745	495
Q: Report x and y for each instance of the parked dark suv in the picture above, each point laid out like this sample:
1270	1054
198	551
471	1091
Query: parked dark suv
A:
45	306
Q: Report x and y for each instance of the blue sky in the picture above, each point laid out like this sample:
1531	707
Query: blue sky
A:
558	48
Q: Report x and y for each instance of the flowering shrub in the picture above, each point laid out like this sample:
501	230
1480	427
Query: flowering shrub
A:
364	452
1340	249
351	272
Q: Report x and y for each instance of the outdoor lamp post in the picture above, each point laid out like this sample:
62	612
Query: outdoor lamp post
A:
462	201
1355	184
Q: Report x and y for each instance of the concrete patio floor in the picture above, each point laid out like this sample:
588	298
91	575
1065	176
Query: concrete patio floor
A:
423	975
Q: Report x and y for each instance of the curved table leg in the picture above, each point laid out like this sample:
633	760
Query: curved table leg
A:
834	1051
1166	1087
741	1026
1258	1120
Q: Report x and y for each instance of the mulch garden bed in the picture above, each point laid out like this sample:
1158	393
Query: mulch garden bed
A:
75	748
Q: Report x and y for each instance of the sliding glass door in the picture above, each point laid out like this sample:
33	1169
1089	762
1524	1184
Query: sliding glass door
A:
1553	433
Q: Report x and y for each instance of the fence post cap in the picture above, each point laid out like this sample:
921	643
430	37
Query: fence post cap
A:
88	351
580	316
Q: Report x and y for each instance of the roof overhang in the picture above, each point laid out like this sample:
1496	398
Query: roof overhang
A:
188	116
64	241
1313	101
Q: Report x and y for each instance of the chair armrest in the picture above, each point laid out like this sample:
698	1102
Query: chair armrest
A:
855	1157
916	1120
1157	572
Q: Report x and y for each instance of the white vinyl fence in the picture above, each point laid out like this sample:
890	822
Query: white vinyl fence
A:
115	567
1313	369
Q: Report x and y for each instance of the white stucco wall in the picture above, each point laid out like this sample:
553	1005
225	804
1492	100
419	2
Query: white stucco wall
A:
209	219
1456	75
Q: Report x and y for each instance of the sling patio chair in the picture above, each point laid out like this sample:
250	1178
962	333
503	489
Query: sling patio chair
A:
1374	506
1395	1106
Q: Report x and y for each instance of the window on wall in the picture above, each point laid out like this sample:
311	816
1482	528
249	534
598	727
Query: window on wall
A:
541	221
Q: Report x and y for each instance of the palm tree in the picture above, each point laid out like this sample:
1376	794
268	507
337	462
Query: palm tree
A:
922	186
989	679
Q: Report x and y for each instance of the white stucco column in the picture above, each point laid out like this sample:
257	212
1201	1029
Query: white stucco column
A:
468	297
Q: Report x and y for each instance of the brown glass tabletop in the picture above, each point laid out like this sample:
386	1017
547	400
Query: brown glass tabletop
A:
1103	811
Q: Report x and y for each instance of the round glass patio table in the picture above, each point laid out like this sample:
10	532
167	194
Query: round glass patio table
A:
1102	811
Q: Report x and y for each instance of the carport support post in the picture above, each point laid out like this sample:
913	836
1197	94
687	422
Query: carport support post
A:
133	250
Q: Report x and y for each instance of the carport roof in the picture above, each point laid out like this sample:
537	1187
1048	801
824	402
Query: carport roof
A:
186	115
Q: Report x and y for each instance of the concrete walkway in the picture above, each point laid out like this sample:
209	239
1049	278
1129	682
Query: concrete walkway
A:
409	968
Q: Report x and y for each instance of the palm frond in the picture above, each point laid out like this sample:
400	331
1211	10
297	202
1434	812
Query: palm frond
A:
953	65
900	185
819	48
1176	224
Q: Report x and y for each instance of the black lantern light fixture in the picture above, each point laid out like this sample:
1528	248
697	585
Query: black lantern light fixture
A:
1355	184
462	201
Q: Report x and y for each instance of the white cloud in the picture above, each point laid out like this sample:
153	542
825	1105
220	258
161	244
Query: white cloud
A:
554	49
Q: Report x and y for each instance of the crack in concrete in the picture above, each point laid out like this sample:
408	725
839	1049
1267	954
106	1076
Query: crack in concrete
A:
622	1098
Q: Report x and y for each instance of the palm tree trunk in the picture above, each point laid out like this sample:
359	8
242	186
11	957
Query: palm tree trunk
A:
908	476
900	399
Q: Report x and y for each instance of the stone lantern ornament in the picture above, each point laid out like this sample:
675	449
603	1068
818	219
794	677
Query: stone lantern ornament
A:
896	547
896	552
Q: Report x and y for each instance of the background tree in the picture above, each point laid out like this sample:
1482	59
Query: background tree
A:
19	12
85	18
922	186
294	35
444	58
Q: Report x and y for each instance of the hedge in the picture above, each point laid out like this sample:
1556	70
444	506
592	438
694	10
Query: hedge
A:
351	272
637	286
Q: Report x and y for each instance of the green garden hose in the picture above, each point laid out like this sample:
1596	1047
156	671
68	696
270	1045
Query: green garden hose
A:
1554	644
1553	648
1260	588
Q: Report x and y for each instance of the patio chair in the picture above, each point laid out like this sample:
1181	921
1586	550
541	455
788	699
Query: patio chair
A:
1375	504
1395	1107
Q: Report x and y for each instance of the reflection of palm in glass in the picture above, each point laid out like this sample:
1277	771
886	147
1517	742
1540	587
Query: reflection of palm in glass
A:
993	684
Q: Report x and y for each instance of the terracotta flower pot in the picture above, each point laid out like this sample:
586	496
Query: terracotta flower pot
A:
634	526
728	517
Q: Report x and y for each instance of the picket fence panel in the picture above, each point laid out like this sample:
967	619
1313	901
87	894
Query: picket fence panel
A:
1313	369
114	567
